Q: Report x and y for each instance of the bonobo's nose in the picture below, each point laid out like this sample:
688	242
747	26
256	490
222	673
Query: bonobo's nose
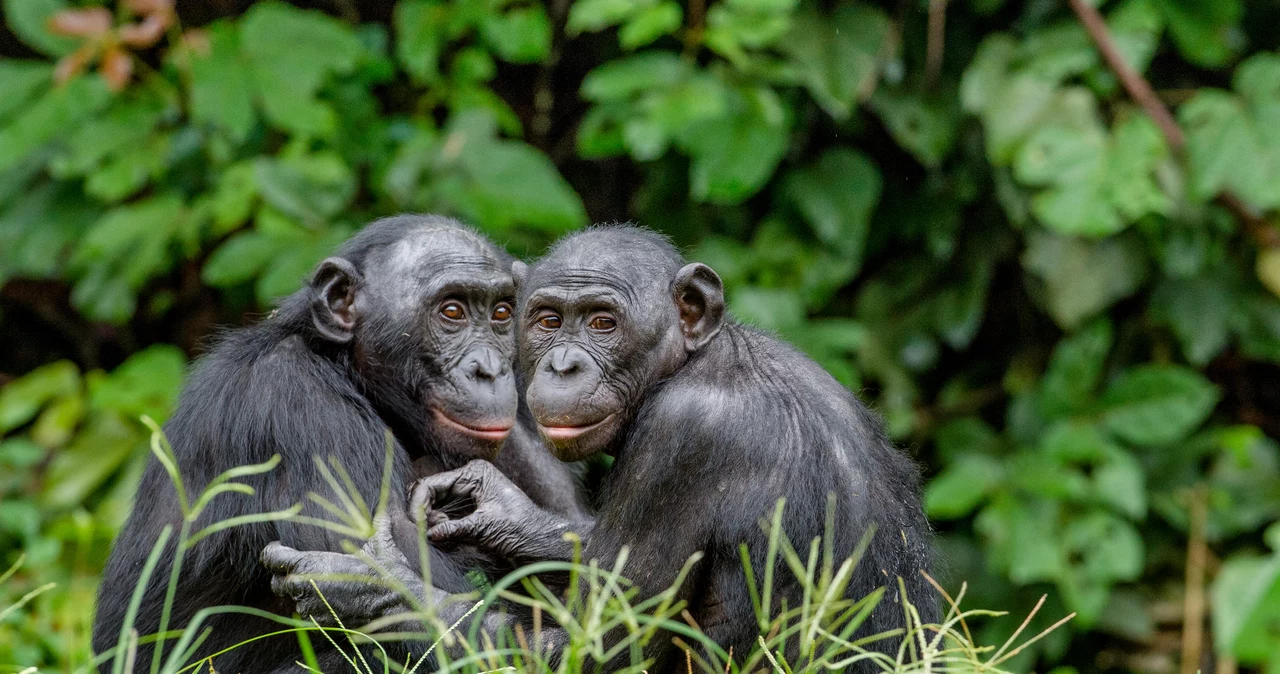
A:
566	361
486	364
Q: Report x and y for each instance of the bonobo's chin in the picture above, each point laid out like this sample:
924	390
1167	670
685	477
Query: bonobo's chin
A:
472	439
579	441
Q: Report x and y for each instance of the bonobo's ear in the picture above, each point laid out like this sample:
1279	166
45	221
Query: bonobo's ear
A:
519	272
699	296
333	299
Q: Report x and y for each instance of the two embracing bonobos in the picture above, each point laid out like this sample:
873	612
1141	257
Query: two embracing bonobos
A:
623	349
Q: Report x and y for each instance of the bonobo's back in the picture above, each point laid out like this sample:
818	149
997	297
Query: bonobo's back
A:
756	421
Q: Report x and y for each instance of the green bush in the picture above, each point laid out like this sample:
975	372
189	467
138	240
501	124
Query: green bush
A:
1068	311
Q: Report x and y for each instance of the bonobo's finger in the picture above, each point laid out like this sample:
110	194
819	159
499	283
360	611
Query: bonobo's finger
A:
281	559
460	530
289	587
436	517
441	487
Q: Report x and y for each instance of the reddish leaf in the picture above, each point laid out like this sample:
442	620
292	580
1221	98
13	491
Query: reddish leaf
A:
74	63
145	33
116	67
150	6
89	22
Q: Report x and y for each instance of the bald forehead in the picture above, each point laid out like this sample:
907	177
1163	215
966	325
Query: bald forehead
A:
429	249
613	257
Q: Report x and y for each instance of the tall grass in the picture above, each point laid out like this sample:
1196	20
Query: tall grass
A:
601	613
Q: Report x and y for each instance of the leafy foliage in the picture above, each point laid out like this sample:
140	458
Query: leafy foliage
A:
979	230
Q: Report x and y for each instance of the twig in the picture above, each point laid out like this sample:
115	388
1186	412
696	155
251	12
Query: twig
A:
937	36
1193	599
1141	92
1132	81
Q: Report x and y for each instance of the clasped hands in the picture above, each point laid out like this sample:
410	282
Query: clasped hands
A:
363	587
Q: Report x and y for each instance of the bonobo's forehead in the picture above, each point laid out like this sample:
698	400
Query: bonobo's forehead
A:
627	260
432	256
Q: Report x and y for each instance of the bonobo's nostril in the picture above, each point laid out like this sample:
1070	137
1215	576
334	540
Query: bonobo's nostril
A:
564	362
486	364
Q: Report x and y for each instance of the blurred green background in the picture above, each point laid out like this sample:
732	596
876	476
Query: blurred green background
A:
954	206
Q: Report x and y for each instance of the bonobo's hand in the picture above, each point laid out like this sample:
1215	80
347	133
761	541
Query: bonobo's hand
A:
357	592
505	521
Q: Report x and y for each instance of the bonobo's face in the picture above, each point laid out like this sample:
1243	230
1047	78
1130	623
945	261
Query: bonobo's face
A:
605	316
432	338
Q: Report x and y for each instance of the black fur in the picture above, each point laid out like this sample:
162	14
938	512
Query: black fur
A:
711	432
284	386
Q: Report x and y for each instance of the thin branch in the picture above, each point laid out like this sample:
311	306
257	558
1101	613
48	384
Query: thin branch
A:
937	37
1193	598
1132	81
1141	92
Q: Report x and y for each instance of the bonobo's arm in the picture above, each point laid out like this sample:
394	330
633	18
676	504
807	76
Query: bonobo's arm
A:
376	583
505	521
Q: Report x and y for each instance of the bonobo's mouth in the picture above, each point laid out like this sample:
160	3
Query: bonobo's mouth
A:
495	432
563	433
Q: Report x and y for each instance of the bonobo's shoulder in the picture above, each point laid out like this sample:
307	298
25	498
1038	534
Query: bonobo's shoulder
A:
258	369
748	359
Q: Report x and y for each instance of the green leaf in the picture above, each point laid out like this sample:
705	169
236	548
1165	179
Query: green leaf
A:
650	24
1157	404
591	16
926	128
1232	142
521	35
60	109
20	81
221	88
773	308
240	258
1246	606
838	56
146	383
962	486
234	197
620	79
1120	482
511	183
121	252
1074	370
22	398
29	20
734	155
837	196
1108	547
1021	536
311	188
1082	278
966	436
421	34
292	52
1199	311
1202	29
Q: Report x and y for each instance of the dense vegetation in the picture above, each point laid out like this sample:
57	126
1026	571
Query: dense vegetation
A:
1063	303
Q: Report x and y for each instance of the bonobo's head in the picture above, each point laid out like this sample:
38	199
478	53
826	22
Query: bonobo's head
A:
421	307
606	315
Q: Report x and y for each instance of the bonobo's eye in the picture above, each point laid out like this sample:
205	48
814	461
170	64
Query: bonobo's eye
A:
549	321
501	313
602	323
453	311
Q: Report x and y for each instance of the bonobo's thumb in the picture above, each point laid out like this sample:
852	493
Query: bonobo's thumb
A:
279	558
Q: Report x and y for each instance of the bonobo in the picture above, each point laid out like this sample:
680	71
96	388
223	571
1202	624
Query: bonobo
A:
626	350
409	327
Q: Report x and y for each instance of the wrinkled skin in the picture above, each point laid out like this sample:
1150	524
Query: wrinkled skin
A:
626	351
409	326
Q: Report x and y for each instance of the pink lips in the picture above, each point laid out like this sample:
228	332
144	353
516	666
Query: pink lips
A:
570	432
493	433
